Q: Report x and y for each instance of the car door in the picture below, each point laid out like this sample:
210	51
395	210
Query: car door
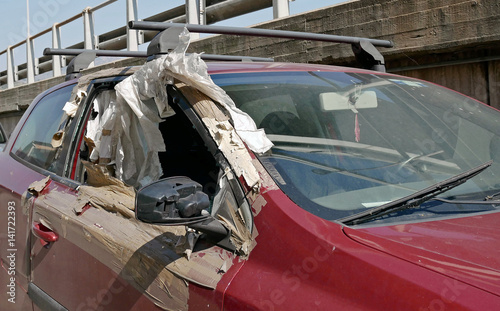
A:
90	253
27	158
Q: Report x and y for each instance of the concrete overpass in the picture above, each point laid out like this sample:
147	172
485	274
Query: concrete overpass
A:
455	43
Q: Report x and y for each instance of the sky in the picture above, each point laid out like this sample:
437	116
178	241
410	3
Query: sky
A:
44	13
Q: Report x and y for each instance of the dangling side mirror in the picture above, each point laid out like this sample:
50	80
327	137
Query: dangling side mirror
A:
172	201
180	201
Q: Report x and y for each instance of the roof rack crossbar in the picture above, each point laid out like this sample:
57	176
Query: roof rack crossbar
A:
111	53
259	32
363	48
51	51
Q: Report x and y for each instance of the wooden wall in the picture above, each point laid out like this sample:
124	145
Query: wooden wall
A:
479	80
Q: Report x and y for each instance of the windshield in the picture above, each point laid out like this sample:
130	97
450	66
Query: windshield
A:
348	142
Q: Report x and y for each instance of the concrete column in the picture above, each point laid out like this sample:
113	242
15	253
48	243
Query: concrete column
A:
88	30
30	61
11	72
281	8
195	14
56	44
132	34
202	12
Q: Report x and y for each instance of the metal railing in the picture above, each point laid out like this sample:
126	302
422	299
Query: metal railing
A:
202	12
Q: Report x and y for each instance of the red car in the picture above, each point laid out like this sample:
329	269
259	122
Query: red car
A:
379	192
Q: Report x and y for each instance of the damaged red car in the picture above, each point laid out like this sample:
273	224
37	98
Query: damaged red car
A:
250	186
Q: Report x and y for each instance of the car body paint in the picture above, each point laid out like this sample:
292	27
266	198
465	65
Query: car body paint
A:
300	261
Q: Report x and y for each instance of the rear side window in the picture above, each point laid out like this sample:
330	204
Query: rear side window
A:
34	143
3	139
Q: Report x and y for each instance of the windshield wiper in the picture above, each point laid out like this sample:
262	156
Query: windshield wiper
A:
415	199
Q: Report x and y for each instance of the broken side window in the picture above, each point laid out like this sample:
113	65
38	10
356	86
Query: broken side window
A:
114	140
114	151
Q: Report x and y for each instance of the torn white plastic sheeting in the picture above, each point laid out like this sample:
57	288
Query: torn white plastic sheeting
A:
117	135
104	106
150	81
125	131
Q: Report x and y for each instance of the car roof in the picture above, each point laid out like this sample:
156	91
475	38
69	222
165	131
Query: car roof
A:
225	67
240	67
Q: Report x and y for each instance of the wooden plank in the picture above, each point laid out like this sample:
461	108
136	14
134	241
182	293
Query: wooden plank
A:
469	79
494	83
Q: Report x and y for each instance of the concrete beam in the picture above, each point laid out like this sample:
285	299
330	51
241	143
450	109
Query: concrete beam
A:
416	27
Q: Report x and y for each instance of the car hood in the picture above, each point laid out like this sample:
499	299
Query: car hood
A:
466	248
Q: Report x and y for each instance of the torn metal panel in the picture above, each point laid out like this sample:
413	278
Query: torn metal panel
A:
150	258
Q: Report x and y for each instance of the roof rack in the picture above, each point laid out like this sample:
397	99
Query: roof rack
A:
363	48
75	52
162	43
165	41
112	53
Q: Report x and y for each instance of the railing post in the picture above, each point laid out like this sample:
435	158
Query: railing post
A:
11	72
88	30
30	61
195	14
202	12
56	44
132	34
281	8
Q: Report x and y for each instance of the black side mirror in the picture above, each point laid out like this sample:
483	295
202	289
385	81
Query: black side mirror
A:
172	201
180	201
